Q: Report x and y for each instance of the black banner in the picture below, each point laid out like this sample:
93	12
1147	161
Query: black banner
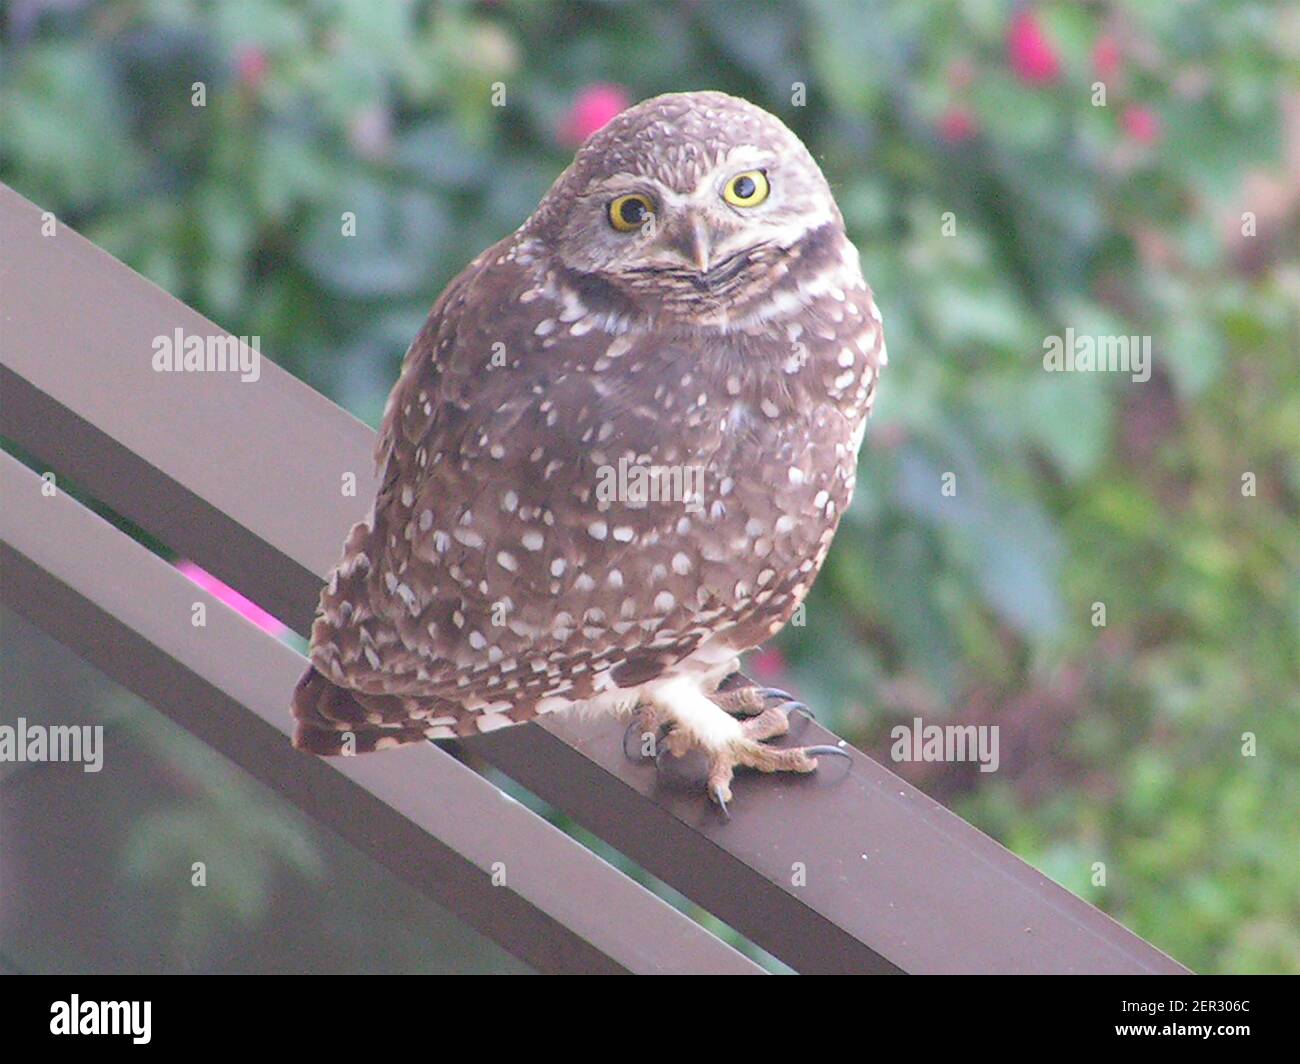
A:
145	1013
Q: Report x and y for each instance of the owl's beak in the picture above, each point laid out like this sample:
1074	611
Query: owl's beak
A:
691	240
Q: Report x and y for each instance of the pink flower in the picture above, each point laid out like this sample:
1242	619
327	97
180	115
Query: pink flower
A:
593	108
957	124
1141	124
1029	53
232	598
251	65
1106	56
768	666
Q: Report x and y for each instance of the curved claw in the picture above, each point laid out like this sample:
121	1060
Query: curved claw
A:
776	693
637	756
817	751
794	706
786	701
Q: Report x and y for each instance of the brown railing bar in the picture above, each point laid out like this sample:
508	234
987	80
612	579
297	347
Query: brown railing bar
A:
421	814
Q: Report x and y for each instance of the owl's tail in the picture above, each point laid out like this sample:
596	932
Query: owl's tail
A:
334	720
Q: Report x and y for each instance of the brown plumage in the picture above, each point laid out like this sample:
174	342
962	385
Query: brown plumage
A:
614	460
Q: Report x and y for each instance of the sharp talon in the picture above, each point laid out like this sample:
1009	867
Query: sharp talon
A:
817	751
776	693
630	756
636	754
797	707
786	701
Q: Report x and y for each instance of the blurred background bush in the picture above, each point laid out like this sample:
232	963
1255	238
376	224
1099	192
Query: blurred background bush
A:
996	200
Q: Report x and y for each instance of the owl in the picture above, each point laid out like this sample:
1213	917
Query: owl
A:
615	458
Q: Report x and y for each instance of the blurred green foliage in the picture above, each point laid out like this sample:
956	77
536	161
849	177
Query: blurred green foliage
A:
1121	744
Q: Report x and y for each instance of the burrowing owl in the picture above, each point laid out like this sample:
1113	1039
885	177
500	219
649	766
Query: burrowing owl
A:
616	455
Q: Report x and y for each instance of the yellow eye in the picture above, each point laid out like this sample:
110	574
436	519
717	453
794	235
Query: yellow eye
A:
630	212
747	190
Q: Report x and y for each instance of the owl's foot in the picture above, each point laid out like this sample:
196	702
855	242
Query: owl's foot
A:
766	712
752	754
729	728
643	733
752	700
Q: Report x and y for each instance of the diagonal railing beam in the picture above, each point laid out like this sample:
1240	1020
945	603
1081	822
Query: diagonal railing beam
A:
867	874
425	817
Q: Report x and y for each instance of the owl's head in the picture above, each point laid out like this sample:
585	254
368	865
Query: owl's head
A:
686	203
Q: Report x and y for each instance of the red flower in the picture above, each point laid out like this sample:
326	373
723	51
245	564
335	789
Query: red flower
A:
1106	56
1029	53
1141	124
957	124
768	666
251	65
594	107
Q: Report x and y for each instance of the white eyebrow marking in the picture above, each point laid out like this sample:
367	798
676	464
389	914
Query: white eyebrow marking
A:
737	159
